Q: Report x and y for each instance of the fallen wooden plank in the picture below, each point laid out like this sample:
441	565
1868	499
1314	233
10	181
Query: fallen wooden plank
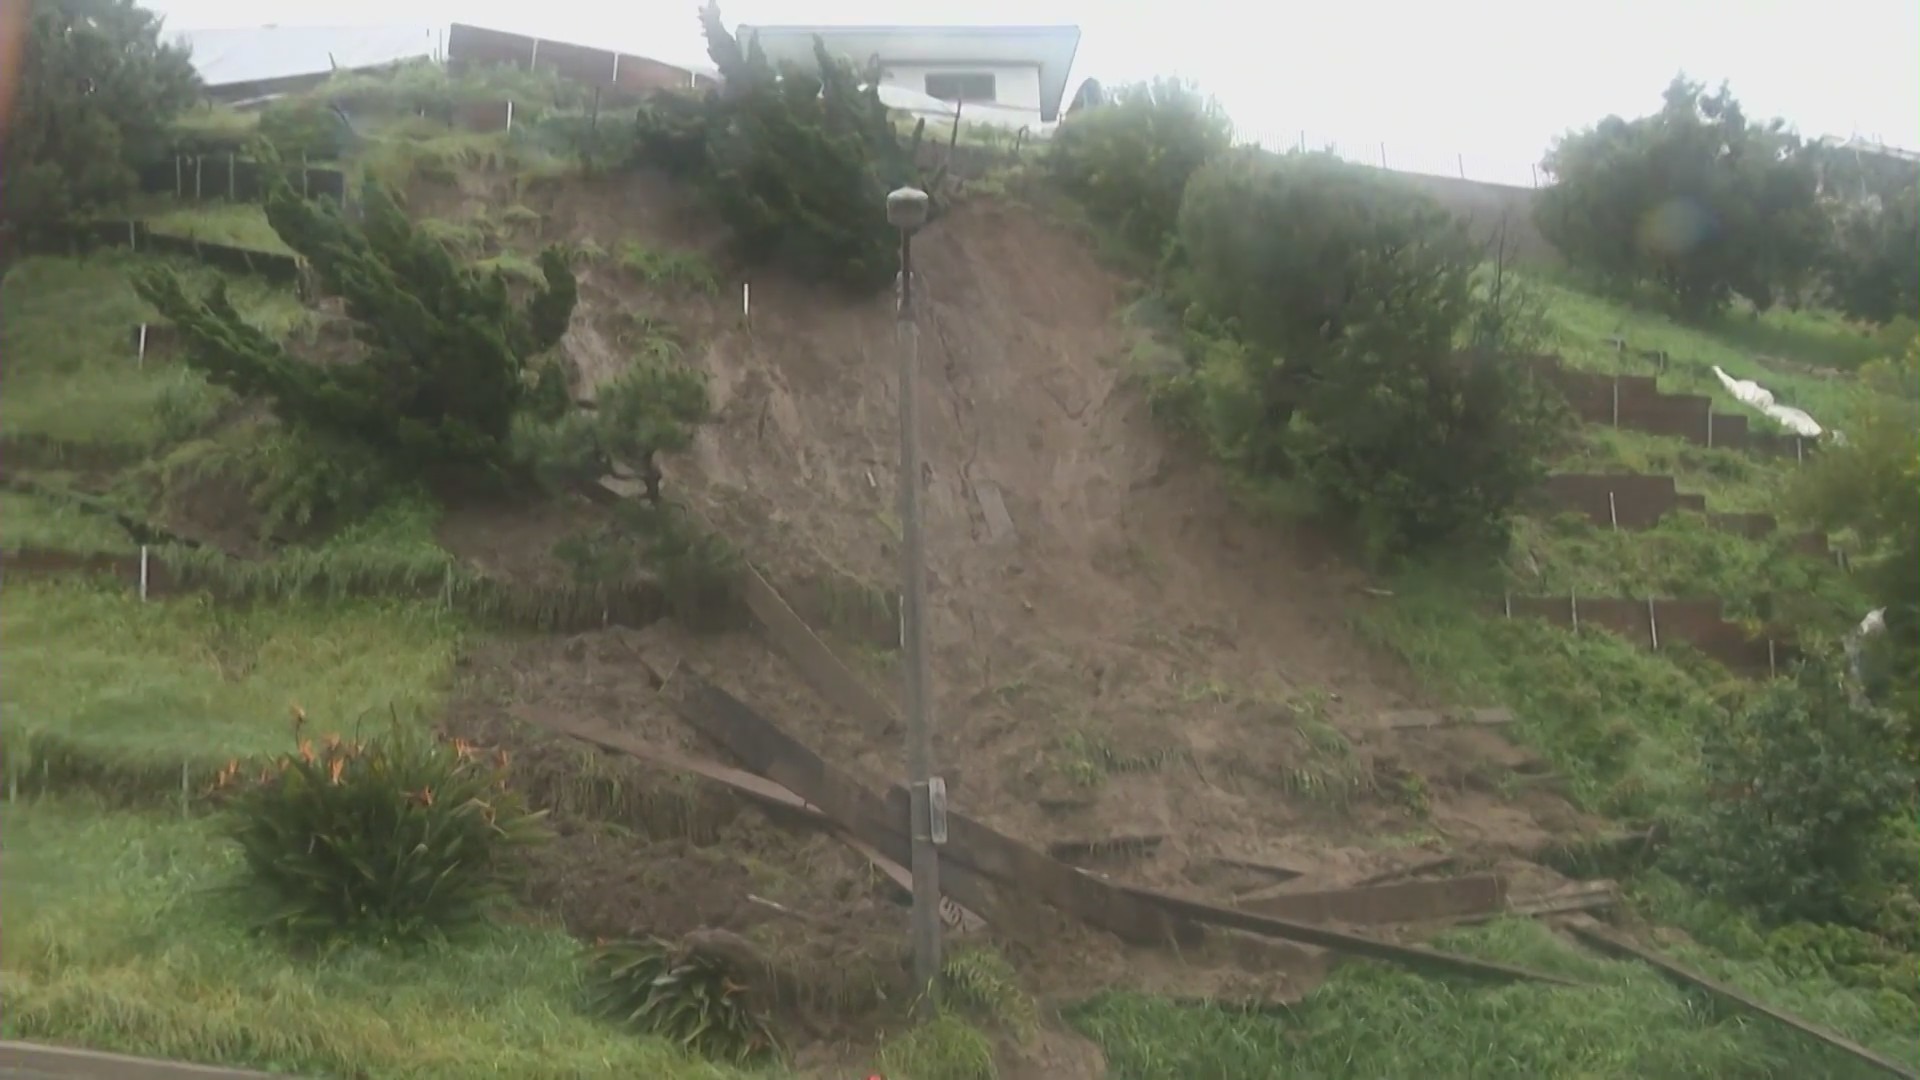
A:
42	1062
765	792
1611	943
1412	956
1431	865
1575	899
1415	719
1398	902
999	522
1273	870
1136	915
791	637
1074	851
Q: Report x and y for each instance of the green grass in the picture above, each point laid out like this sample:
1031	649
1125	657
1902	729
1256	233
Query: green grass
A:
107	691
72	379
1732	481
1682	556
1370	1021
1620	723
1580	325
118	938
40	522
234	224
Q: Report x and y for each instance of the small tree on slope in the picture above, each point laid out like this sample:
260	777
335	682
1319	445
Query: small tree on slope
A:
450	357
97	90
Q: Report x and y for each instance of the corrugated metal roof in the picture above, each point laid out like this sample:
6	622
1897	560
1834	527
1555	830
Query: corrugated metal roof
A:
252	54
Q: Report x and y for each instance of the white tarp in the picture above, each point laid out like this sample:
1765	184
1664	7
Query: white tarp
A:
1760	399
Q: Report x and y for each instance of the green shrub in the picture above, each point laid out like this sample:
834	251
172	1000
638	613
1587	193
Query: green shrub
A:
299	127
686	996
1330	300
397	839
798	164
649	409
1802	791
1128	160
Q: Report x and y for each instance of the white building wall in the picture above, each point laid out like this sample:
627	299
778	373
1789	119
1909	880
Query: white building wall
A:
1016	90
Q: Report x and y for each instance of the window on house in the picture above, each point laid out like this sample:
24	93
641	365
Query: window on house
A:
960	86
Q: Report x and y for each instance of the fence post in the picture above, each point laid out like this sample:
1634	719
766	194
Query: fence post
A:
1616	401
1506	601
593	118
140	350
1613	512
1772	669
1799	451
198	161
614	79
1653	625
1709	423
1463	166
533	57
1535	169
179	181
1383	155
143	572
303	175
232	192
1573	609
746	304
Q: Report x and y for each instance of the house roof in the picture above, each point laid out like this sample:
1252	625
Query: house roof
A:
1052	48
250	54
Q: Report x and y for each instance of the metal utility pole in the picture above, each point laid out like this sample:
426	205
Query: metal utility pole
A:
907	211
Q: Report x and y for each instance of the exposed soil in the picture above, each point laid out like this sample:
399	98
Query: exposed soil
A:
1136	655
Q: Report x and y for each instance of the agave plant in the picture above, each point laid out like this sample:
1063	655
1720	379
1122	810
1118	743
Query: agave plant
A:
679	994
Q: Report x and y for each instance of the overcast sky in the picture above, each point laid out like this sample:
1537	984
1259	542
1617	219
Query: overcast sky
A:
1493	81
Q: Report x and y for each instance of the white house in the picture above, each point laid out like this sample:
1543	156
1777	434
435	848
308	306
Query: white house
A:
1007	76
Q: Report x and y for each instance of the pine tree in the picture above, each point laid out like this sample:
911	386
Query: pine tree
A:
450	358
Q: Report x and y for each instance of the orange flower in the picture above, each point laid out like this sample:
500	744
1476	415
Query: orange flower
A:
306	751
463	748
500	757
334	768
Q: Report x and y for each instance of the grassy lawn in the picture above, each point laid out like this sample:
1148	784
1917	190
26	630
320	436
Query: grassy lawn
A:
1371	1021
119	937
72	376
235	224
105	690
38	522
1581	324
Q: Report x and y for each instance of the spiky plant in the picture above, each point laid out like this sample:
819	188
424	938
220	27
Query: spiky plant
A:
683	995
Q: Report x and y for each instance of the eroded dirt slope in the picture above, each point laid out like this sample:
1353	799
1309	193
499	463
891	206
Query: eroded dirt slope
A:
1124	651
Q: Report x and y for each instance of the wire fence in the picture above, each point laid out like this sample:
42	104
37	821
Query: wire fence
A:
1425	160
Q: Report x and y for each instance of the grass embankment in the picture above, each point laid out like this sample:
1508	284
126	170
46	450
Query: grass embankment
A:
1375	1022
119	933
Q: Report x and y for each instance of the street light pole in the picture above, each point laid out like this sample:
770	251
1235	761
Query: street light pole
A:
907	211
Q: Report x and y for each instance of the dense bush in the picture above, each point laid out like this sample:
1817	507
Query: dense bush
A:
393	839
797	163
1871	269
451	360
1334	299
96	91
1695	201
1803	788
1870	486
1128	159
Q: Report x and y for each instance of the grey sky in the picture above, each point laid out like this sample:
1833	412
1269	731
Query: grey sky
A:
1490	80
